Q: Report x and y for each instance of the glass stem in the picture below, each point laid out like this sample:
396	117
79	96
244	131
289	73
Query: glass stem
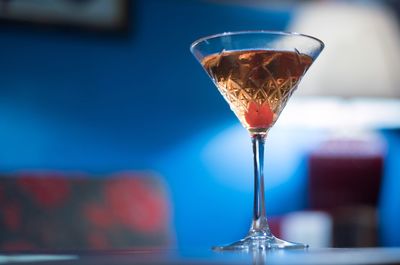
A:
259	226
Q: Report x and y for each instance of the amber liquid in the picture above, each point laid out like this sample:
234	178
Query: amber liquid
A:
257	83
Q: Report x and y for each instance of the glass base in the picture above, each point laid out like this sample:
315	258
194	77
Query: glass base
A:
253	243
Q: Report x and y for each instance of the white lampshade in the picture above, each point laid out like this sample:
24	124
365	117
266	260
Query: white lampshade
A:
362	53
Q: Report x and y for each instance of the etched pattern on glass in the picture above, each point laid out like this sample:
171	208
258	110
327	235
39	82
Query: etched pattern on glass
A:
257	80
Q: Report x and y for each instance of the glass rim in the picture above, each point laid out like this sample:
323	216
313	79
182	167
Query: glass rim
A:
272	32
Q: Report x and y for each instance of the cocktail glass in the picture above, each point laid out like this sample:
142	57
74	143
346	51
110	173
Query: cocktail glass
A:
257	72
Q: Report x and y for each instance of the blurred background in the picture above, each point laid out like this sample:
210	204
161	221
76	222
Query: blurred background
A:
97	92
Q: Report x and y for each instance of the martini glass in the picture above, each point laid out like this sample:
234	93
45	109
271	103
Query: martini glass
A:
257	72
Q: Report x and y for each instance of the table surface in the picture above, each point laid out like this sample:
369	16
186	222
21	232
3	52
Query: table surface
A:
206	256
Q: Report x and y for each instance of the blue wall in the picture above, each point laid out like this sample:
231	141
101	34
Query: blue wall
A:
71	101
97	103
389	208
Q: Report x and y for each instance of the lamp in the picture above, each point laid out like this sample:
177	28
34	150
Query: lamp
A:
355	83
352	90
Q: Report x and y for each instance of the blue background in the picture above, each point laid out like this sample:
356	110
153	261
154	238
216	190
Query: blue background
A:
76	101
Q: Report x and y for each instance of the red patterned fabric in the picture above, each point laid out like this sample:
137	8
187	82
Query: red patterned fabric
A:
54	211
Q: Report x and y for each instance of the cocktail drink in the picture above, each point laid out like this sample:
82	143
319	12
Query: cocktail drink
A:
257	72
256	83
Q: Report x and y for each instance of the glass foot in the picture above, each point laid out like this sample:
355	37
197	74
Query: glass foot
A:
251	243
